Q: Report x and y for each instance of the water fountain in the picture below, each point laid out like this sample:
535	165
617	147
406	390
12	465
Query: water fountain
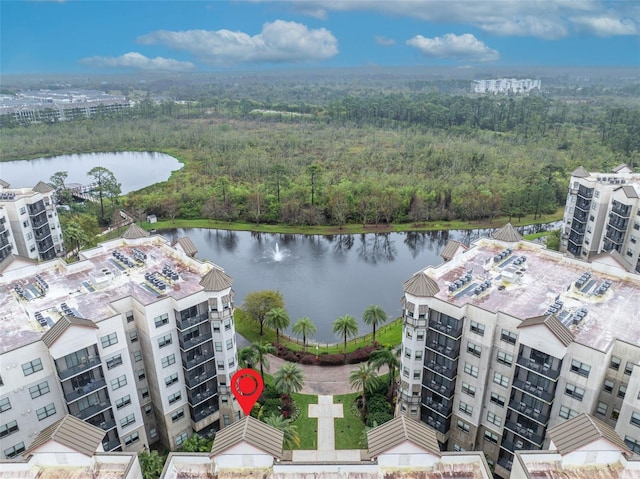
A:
276	254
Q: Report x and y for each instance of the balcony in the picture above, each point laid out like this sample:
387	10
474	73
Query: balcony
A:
586	193
539	415
111	445
437	423
196	360
184	324
451	352
196	398
517	445
505	462
452	331
44	246
532	389
441	389
82	391
92	410
36	208
225	313
544	369
620	209
192	380
194	340
200	412
448	371
88	363
438	407
526	432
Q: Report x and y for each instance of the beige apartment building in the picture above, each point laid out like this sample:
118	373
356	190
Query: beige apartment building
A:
136	338
507	339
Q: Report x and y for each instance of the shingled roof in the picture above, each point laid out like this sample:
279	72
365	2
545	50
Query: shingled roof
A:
399	430
421	285
61	326
582	430
450	249
629	191
42	187
507	233
580	172
72	433
187	246
252	431
134	232
4	184
216	280
554	325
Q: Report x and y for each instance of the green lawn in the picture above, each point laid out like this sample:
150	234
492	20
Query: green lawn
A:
307	427
388	335
349	429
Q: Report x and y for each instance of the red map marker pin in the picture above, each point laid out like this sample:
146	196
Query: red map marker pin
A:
246	386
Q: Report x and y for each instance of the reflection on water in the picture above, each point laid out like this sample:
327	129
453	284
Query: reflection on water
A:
325	277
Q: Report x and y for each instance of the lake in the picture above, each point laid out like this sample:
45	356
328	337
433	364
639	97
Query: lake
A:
134	170
325	277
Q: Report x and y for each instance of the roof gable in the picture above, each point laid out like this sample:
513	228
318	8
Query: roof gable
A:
72	433
582	430
580	172
421	285
134	232
187	246
62	325
553	324
451	249
400	429
252	431
42	187
507	233
216	280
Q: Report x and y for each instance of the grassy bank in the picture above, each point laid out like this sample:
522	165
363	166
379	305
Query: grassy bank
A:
307	426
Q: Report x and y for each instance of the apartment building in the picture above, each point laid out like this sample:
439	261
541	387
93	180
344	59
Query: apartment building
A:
506	85
30	214
602	214
508	339
136	338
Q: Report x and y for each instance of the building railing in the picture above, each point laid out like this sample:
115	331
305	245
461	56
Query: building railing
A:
192	380
196	360
92	410
532	389
195	341
183	324
542	369
196	398
111	445
199	413
79	392
90	363
449	330
525	432
536	414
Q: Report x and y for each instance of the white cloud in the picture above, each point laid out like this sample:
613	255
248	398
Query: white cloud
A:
450	45
547	19
278	42
605	26
138	61
384	41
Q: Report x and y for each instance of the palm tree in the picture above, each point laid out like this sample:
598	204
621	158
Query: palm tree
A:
388	357
304	327
262	351
291	437
277	318
373	316
364	378
345	326
288	379
247	357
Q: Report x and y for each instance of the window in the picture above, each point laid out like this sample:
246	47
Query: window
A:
468	389
633	444
458	448
174	397
164	341
180	438
9	428
493	419
419	354
405	372
220	364
602	408
129	315
407	353
465	408
491	437
463	426
133	336
229	344
477	328
114	361
635	419
176	416
227	324
169	380
148	410
127	421
123	401
118	382
615	413
153	433
23	210
218	347
615	363
141	374
39	389
32	367
131	438
5	404
232	362
14	450
622	391
161	320
144	392
628	368
45	412
168	360
416	374
501	379
471	370
567	413
574	391
580	368
420	336
216	326
504	358
409	333
137	356
497	399
109	340
474	349
508	336
608	386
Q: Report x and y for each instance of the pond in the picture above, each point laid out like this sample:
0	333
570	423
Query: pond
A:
133	169
324	277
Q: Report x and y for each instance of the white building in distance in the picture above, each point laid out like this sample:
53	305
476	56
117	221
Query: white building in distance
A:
506	86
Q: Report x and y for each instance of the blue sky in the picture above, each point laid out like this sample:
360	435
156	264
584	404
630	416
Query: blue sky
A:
127	36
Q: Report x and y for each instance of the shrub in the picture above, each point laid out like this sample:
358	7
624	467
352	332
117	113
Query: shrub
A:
360	355
378	418
331	359
378	403
308	359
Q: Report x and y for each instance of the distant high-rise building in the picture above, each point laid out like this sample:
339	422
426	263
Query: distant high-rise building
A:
505	85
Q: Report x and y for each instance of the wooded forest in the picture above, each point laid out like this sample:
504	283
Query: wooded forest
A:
372	157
